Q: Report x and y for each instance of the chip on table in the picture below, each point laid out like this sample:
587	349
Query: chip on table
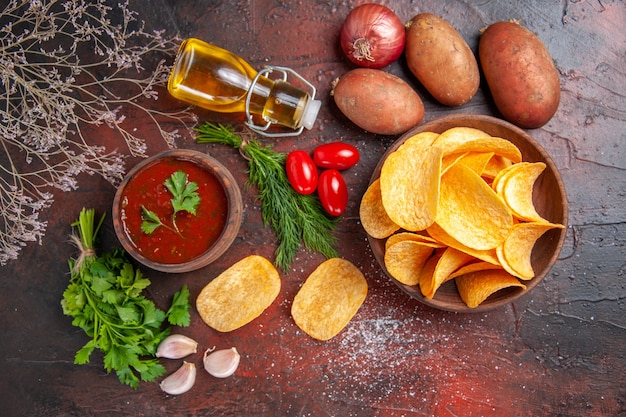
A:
329	298
239	294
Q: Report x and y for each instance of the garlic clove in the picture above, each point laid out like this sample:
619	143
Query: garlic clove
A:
221	363
176	346
180	381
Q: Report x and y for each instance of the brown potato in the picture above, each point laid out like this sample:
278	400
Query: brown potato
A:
520	73
377	101
441	60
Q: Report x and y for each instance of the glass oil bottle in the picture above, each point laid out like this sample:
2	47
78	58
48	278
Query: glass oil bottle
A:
218	80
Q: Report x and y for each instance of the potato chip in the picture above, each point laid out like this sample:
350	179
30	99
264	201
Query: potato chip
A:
239	294
422	140
517	190
374	218
405	259
428	270
440	235
459	135
470	211
467	139
515	253
498	182
477	161
496	164
416	237
450	260
409	186
474	267
475	287
498	146
329	298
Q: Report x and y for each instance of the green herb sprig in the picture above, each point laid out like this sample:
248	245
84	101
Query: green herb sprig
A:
295	218
105	298
184	198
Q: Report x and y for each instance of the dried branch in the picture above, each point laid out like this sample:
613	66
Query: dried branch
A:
63	66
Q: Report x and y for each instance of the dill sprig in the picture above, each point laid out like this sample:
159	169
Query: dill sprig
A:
295	218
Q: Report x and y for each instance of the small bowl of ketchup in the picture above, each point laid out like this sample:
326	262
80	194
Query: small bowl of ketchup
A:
204	225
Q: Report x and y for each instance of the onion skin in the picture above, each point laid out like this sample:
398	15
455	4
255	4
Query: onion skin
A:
372	36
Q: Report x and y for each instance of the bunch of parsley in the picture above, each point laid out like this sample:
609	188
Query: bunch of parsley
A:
104	296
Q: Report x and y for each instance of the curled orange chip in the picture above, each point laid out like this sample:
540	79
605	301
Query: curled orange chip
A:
450	260
470	211
498	181
496	164
515	253
464	139
476	161
458	135
499	146
440	235
405	259
416	237
239	294
329	298
517	190
374	218
421	140
426	275
475	287
474	267
409	185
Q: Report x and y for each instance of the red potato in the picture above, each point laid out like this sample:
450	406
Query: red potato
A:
520	74
441	60
378	102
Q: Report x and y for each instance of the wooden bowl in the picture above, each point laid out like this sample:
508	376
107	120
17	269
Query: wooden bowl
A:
224	202
548	195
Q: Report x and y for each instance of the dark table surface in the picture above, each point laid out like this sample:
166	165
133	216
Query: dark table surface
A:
559	350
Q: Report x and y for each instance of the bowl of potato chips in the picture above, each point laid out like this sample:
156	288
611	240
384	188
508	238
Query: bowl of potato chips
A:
465	213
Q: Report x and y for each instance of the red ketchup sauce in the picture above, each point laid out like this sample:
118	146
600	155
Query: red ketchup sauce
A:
199	232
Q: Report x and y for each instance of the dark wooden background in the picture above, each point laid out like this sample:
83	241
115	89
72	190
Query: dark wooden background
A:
558	351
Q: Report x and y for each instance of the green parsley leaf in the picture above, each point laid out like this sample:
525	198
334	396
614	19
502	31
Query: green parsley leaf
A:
150	221
185	196
178	313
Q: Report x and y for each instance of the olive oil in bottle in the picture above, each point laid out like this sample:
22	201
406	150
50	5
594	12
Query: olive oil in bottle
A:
215	79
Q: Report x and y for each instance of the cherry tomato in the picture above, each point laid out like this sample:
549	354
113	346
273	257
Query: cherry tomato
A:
333	192
301	172
336	155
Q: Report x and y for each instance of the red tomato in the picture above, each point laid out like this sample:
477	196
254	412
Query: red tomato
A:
301	172
336	155
333	192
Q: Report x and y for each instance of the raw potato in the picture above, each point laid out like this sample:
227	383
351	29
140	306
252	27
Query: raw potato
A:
377	101
441	60
239	294
520	73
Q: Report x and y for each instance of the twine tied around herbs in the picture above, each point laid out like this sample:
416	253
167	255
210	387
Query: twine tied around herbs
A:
246	137
84	253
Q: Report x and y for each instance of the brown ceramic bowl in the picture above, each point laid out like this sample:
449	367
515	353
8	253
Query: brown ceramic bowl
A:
206	238
549	198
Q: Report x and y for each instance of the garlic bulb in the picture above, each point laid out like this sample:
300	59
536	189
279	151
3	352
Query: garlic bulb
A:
180	381
176	346
221	363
